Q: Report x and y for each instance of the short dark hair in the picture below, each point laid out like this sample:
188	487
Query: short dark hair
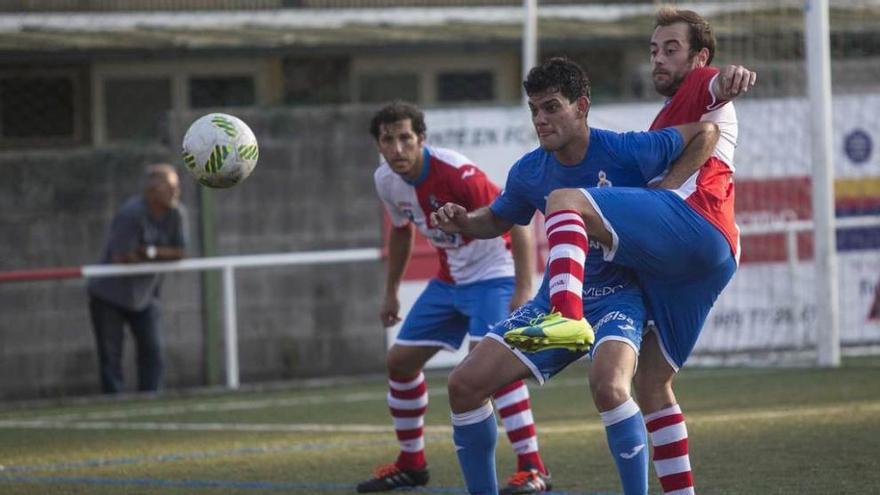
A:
700	33
558	74
157	173
395	112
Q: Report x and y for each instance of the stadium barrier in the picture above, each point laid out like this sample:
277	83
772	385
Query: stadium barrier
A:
226	264
229	264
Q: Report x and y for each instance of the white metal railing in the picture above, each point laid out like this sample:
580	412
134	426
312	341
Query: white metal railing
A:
228	265
792	228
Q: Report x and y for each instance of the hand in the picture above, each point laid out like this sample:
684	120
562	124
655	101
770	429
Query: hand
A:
519	298
390	311
734	80
135	256
450	218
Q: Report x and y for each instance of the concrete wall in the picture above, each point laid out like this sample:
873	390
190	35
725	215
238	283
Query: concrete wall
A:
312	189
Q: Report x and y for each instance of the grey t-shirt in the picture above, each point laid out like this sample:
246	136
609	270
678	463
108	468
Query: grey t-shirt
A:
132	227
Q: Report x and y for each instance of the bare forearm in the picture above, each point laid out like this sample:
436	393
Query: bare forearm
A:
733	81
169	253
399	251
140	255
523	249
483	224
697	150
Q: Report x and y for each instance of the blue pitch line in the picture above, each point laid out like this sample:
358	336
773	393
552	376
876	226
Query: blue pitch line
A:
247	485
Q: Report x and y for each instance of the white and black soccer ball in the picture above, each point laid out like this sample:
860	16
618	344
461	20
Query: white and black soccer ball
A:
220	150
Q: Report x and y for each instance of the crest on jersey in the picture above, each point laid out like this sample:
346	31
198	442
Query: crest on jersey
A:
603	180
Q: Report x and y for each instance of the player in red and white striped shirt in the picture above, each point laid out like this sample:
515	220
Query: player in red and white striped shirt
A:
480	280
682	47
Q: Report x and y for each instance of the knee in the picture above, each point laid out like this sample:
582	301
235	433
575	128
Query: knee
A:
608	394
565	199
399	364
651	388
573	199
465	394
642	384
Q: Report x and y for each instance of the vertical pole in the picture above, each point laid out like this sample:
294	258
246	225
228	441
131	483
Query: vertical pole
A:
791	248
530	38
529	60
818	70
210	289
230	327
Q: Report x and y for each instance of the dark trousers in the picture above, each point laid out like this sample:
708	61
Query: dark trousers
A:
108	323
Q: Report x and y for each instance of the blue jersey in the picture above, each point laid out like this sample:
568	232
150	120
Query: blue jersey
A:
630	159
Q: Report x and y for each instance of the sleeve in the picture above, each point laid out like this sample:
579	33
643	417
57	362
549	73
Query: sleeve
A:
475	189
398	217
125	234
692	100
179	236
652	151
698	90
513	204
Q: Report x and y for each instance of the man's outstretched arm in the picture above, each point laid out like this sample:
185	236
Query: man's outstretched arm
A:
732	81
400	242
481	223
522	247
699	139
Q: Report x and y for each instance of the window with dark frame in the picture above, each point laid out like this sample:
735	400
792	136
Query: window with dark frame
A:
232	91
461	86
34	107
136	109
316	80
377	88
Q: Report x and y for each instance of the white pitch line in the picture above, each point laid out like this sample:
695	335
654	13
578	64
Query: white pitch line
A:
241	405
330	398
214	426
238	405
585	425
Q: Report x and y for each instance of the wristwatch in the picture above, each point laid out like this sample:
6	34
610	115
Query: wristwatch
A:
151	252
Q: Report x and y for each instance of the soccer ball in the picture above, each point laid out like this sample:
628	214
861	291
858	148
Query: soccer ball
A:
220	150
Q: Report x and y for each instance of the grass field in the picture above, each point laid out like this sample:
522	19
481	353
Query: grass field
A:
752	431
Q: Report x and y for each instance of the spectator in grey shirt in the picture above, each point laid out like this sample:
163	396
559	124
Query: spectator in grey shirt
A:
148	227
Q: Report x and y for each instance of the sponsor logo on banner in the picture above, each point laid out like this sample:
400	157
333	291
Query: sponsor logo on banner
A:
857	145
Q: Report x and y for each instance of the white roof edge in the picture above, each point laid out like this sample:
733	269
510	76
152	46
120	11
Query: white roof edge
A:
331	18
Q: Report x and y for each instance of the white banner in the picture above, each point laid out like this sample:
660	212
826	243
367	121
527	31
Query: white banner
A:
768	304
773	134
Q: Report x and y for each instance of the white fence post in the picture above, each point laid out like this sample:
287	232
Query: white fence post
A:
230	327
818	70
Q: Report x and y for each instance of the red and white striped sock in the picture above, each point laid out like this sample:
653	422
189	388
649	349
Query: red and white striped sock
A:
567	239
671	460
515	409
408	401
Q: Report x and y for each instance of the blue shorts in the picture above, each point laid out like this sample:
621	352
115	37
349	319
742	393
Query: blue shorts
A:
445	313
620	317
681	260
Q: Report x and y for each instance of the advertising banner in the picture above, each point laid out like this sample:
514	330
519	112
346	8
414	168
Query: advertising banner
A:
771	301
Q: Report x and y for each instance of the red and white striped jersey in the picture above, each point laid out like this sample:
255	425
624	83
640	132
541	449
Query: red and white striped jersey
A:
710	190
448	176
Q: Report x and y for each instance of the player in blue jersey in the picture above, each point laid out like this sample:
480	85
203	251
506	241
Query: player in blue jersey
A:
681	238
571	155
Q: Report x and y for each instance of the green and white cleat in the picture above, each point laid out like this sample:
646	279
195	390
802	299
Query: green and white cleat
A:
552	331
